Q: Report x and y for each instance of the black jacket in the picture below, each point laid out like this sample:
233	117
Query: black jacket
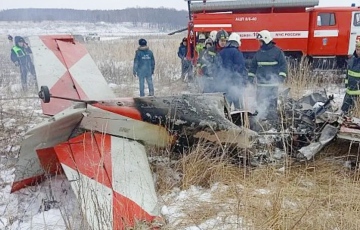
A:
352	79
232	60
269	65
182	51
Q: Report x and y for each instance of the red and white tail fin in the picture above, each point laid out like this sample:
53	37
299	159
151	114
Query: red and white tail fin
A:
112	179
67	69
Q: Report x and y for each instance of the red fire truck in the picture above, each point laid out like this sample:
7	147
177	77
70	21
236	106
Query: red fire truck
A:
298	27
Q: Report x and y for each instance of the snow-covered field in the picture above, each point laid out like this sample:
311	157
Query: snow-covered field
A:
57	27
195	192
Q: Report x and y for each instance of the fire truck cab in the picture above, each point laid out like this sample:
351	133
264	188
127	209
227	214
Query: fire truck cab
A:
298	27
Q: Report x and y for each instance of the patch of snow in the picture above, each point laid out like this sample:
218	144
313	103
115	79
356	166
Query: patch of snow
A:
262	191
16	88
109	30
113	86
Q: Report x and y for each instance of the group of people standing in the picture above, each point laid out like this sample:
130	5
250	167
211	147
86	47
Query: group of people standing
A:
221	67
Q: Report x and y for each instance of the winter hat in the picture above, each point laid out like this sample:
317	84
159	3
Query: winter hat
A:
142	42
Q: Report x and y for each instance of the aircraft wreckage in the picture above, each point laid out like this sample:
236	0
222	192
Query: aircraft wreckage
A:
98	140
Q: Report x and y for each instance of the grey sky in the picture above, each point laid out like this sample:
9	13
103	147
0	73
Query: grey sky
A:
120	4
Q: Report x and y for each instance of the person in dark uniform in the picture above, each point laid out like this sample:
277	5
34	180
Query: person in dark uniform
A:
232	69
352	81
20	56
185	63
144	66
212	63
270	69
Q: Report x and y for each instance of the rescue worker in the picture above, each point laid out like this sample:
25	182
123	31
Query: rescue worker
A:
144	66
20	56
185	63
200	45
221	39
212	35
270	69
352	80
212	63
203	65
233	70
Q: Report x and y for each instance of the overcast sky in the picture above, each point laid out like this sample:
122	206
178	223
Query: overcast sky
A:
120	4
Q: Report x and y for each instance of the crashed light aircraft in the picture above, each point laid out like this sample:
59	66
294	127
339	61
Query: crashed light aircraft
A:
98	140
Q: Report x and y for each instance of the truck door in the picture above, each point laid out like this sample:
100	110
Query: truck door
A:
354	31
325	34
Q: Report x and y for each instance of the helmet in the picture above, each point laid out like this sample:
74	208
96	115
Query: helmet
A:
213	35
235	37
209	41
264	36
184	39
357	43
222	34
202	37
142	42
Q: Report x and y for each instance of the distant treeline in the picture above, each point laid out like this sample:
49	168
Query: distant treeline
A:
159	17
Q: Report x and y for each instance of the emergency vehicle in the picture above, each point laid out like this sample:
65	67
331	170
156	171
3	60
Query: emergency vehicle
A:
299	28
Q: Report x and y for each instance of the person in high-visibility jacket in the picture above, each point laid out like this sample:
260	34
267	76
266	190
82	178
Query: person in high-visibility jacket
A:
20	56
352	81
200	45
269	67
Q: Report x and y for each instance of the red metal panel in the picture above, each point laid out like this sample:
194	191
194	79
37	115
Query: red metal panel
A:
86	158
249	24
334	45
126	111
72	52
103	142
126	212
90	155
49	160
27	182
64	86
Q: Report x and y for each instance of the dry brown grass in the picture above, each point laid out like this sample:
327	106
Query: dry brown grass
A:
115	60
318	195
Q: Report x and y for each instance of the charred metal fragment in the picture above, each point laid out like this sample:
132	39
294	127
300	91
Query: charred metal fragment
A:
194	116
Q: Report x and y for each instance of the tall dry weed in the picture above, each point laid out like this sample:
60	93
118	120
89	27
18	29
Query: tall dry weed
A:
319	195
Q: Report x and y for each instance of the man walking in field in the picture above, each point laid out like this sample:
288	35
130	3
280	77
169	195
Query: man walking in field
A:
20	56
144	66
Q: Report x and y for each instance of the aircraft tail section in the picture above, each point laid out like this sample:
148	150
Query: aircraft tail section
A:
67	69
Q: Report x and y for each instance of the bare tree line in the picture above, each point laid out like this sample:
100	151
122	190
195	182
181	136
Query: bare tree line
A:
153	17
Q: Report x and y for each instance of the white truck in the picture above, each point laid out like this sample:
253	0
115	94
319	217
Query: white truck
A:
92	37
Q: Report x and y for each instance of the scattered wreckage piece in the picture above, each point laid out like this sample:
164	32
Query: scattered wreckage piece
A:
350	129
98	140
327	135
316	124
